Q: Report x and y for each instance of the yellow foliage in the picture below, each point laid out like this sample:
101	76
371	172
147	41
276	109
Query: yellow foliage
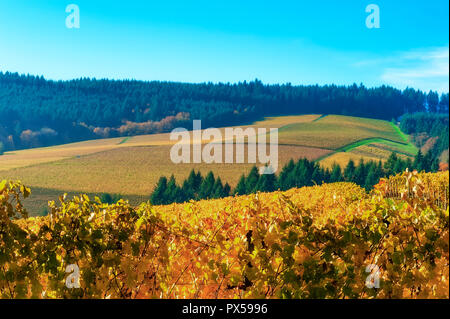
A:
312	242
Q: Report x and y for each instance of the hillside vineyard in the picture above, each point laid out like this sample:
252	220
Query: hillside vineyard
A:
328	241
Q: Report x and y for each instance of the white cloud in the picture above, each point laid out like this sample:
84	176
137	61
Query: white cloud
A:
425	69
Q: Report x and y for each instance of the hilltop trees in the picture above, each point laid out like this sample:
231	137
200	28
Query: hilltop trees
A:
53	112
429	130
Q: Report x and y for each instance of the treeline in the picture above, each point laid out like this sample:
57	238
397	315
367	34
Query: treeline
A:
194	187
429	130
39	112
294	174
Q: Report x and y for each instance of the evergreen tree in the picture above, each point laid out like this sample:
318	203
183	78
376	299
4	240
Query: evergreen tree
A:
158	196
389	165
207	186
399	166
172	193
267	183
427	162
435	165
326	174
349	171
191	186
187	191
379	172
251	181
336	173
218	191
418	161
371	178
360	173
285	180
317	175
301	175
106	198
241	188
226	190
432	101
409	164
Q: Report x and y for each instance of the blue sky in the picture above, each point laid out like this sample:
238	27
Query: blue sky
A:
301	42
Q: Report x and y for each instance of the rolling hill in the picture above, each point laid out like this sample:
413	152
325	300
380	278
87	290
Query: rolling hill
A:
131	166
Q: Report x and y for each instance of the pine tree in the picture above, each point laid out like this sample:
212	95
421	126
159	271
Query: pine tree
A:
409	164
379	171
349	171
336	173
300	174
326	173
187	190
285	181
435	165
217	191
207	186
172	193
106	198
226	190
371	178
389	165
266	183
317	174
418	161
240	188
197	181
427	161
252	180
191	185
360	173
158	195
399	166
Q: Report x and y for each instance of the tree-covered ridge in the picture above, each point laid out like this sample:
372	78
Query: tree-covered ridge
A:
294	174
428	130
39	112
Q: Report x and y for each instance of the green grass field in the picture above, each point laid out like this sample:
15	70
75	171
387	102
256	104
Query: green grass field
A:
131	166
337	131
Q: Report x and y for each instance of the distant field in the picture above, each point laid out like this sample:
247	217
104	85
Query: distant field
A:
370	152
131	166
335	131
385	140
35	156
132	170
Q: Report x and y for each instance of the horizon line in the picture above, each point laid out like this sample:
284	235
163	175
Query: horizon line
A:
361	84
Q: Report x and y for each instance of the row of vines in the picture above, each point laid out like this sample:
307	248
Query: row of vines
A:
327	241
